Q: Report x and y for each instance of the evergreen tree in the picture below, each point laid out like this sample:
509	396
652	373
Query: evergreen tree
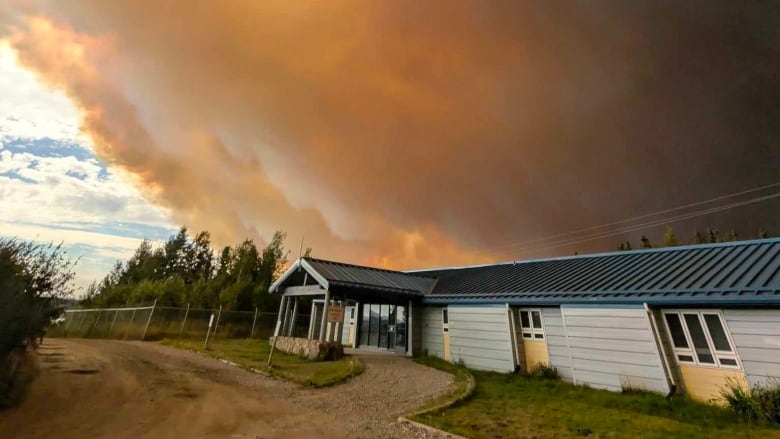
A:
670	240
185	271
698	238
713	235
731	236
646	242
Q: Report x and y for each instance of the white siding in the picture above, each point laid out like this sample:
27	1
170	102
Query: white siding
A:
613	347
431	334
480	337
345	326
560	357
756	334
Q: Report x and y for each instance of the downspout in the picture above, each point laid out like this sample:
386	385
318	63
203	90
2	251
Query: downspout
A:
512	336
660	344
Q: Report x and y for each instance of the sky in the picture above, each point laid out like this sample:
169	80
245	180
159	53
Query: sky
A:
400	134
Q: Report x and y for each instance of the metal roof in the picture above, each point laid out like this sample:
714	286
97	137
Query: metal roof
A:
737	272
348	275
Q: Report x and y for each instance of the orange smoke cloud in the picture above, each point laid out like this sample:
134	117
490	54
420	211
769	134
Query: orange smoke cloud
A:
403	134
205	184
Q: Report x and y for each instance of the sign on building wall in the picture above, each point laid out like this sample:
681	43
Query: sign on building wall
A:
335	313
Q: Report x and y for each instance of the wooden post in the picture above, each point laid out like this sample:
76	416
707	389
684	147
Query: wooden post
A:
409	331
254	320
286	319
129	324
294	317
276	329
149	320
312	320
181	330
324	320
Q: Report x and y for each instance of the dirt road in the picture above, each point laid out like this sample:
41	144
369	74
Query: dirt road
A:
101	388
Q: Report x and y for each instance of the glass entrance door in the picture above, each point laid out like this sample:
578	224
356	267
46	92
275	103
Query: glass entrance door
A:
383	327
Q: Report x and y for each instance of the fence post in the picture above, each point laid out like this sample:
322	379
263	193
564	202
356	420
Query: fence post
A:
94	325
149	320
216	325
252	332
208	330
130	323
69	322
81	323
181	331
111	328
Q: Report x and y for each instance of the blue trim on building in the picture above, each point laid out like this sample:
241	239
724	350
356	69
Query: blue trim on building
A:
478	305
602	305
753	301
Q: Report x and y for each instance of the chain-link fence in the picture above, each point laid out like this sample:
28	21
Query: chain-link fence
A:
158	322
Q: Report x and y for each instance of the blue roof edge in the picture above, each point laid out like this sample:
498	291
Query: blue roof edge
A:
750	301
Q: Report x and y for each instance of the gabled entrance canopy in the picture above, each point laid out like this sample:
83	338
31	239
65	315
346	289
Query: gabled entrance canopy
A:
344	282
350	281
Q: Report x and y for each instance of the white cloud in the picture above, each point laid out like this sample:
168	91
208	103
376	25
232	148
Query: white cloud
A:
29	109
56	189
53	188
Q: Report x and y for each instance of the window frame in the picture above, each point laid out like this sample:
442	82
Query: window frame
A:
530	332
690	351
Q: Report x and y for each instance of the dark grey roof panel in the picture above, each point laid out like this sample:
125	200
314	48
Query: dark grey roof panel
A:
727	270
340	274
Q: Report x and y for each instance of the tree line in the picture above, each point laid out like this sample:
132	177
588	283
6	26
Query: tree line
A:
709	236
185	270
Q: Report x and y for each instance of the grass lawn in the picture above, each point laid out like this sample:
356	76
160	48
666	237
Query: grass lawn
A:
509	406
253	354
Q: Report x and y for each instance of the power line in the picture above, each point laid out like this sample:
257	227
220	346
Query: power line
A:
653	223
628	220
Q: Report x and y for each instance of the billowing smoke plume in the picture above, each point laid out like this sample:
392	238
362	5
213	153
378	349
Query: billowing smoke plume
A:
413	133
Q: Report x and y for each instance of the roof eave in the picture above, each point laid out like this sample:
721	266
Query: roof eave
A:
299	263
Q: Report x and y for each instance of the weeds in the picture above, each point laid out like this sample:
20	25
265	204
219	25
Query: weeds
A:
542	370
761	403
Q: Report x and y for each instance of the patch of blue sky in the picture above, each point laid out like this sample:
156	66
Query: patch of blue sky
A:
16	176
75	174
46	147
117	228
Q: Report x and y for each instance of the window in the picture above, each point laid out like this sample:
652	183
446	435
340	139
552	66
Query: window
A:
531	324
445	319
700	337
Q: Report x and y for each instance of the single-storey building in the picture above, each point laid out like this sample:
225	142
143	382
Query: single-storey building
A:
671	319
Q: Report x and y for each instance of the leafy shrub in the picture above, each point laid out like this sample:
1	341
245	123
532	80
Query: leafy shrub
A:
16	373
761	403
542	370
34	279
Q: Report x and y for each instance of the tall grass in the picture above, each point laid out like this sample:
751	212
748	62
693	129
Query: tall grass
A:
760	403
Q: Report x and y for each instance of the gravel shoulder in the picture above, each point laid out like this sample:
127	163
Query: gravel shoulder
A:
104	388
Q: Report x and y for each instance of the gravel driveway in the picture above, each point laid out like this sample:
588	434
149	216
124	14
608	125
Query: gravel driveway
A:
102	388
